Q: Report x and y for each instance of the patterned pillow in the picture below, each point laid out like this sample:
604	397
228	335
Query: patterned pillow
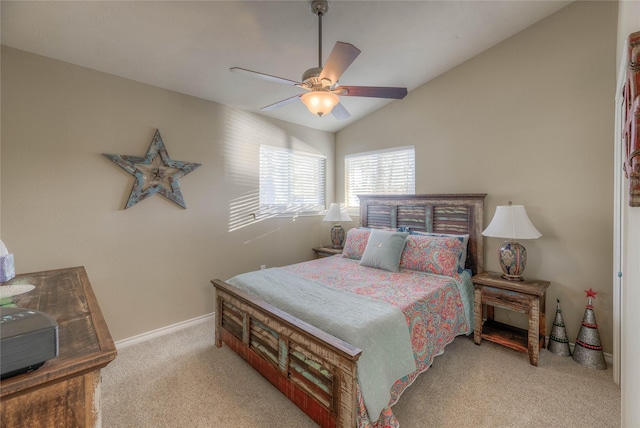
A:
463	238
384	249
355	243
432	254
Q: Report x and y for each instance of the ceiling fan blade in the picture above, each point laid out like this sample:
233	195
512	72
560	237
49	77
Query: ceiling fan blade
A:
339	112
264	76
340	58
281	103
372	91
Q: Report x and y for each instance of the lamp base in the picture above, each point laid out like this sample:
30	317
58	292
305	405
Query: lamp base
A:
337	236
512	277
513	259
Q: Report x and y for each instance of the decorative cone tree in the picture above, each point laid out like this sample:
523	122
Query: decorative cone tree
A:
588	350
558	340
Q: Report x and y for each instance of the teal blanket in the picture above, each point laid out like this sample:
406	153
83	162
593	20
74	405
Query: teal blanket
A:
377	328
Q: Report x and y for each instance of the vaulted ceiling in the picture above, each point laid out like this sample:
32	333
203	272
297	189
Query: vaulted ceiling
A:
189	47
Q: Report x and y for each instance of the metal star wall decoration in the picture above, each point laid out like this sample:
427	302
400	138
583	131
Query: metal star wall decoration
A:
155	173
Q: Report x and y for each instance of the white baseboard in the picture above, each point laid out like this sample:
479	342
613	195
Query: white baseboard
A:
120	344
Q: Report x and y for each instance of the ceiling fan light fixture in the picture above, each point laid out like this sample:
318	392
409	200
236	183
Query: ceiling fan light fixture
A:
322	81
320	102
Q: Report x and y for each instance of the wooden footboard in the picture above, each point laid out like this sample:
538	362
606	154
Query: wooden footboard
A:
313	369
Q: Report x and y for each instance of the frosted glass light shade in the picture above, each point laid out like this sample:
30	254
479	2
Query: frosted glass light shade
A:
511	222
320	102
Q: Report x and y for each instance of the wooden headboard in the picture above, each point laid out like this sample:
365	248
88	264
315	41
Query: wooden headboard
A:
453	213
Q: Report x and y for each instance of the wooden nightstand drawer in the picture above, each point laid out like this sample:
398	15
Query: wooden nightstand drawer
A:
506	299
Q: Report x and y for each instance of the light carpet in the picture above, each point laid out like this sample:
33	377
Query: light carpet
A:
182	380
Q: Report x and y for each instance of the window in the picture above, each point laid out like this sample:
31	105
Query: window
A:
291	181
391	171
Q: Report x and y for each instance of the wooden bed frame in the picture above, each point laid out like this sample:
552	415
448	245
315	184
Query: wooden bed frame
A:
288	351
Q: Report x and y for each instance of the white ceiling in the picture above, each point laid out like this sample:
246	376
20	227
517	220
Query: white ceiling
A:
189	47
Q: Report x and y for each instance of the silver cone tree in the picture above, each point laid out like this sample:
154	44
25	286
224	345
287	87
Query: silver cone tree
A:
588	349
558	339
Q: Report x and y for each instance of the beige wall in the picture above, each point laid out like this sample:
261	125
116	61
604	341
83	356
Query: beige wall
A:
629	22
528	121
150	265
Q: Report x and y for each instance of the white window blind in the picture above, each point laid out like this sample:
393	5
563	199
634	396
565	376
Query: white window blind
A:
291	181
391	171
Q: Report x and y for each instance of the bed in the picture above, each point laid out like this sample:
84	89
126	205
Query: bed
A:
327	332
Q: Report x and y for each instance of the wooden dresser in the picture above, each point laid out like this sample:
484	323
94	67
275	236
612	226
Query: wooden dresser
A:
65	391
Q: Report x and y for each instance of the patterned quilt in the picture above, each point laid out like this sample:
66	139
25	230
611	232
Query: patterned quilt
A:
436	310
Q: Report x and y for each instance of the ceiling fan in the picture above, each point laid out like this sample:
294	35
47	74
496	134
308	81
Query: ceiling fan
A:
322	82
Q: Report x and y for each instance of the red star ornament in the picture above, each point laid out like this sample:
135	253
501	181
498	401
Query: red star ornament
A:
590	293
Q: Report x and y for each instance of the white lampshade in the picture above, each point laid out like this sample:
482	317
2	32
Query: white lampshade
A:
336	214
320	102
511	222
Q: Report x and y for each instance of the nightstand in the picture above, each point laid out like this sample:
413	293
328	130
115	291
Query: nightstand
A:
326	251
527	297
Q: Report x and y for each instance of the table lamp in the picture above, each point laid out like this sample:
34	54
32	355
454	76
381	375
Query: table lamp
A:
335	214
511	223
